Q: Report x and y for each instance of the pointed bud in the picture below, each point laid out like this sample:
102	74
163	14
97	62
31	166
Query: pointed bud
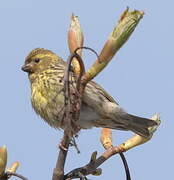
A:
75	39
97	172
126	25
93	157
3	159
13	167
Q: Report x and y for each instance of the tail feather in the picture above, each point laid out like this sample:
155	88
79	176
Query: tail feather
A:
140	125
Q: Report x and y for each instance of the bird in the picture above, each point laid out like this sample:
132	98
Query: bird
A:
98	109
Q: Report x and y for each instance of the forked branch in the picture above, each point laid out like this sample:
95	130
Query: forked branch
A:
91	167
126	25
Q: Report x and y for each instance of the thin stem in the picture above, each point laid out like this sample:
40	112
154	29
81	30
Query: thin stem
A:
70	116
88	48
126	167
58	173
8	174
92	165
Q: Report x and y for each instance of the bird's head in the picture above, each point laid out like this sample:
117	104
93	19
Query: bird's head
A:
38	60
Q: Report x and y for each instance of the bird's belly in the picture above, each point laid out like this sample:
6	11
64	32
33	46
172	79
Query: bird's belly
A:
87	117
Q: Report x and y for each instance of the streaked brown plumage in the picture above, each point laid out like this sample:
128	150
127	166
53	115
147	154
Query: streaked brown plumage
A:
99	109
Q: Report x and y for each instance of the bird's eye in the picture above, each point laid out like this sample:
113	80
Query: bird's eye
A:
37	60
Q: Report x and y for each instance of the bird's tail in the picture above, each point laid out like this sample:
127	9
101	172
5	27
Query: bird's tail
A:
140	125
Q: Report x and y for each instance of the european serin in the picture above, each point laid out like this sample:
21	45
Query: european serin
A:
99	109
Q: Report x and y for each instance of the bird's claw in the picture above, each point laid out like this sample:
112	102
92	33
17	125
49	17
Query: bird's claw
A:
62	146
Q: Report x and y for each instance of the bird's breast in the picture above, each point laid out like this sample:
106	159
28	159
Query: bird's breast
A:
47	102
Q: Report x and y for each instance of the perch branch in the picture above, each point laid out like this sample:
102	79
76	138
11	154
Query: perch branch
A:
92	166
118	37
58	172
106	140
75	39
9	174
71	115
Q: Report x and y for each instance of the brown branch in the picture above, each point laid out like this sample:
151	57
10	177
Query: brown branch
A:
92	166
118	37
106	140
71	114
58	172
8	175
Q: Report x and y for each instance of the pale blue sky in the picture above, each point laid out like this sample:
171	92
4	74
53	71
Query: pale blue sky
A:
140	78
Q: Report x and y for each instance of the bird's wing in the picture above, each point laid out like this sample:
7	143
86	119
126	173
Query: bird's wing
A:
102	91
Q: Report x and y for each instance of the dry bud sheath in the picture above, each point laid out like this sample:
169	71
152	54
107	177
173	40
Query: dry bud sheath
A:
126	25
75	40
3	159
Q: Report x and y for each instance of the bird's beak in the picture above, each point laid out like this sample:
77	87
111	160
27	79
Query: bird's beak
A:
26	68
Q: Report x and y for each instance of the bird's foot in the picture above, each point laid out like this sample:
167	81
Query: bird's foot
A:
62	145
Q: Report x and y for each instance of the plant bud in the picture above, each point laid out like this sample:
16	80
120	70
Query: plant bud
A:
3	159
75	40
13	167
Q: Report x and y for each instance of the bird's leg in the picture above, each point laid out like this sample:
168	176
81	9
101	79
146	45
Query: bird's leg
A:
72	143
106	138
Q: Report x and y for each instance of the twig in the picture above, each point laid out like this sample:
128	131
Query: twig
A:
7	175
135	140
58	172
71	115
106	140
119	36
88	48
128	177
126	167
92	166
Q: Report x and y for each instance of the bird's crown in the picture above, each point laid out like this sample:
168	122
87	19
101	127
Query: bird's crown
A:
38	52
